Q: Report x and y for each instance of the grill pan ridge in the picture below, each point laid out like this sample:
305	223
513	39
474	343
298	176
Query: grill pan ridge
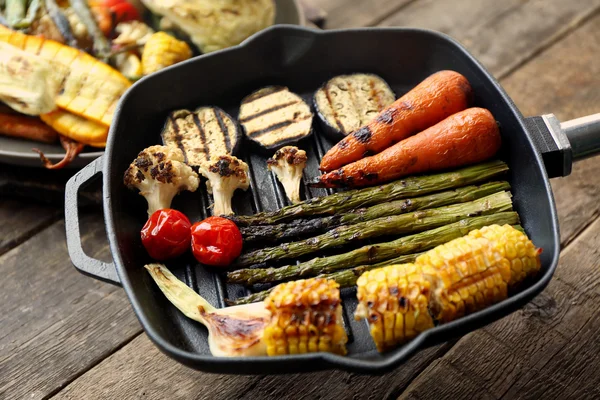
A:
301	59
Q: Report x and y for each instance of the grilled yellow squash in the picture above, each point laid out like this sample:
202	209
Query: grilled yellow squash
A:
90	88
77	128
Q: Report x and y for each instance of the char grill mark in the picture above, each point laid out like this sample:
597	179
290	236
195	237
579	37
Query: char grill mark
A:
267	111
202	135
224	130
334	112
178	139
276	126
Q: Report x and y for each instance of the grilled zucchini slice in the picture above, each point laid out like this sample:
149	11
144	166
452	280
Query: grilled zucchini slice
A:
273	117
348	102
202	134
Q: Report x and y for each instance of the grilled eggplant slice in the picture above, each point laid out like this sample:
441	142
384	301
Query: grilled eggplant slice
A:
202	134
347	102
273	117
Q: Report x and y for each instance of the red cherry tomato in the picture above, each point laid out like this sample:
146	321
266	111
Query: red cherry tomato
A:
124	12
166	234
216	241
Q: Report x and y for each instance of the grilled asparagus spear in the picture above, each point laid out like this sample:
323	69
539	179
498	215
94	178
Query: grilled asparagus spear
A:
404	188
372	253
391	225
302	227
344	278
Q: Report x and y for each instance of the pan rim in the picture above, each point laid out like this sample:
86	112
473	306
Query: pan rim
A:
320	361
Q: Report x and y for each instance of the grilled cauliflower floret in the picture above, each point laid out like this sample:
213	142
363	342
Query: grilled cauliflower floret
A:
132	33
159	173
288	164
225	174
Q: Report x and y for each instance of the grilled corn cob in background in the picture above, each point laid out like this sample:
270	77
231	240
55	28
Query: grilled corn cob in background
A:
163	50
455	279
298	317
306	318
394	300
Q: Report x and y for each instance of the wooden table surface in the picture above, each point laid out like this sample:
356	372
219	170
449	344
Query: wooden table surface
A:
66	336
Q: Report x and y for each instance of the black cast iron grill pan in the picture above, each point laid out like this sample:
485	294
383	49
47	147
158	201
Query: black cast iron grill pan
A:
303	59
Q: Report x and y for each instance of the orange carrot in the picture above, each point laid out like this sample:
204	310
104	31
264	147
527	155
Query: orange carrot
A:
466	137
25	127
437	97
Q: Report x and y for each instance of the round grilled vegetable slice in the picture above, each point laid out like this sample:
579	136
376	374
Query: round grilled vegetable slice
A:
202	134
273	117
348	102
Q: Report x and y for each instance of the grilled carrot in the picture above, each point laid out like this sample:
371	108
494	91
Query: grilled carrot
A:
20	126
437	97
464	138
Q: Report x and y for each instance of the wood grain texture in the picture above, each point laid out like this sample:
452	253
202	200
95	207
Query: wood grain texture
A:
357	13
564	80
21	220
501	34
140	370
56	323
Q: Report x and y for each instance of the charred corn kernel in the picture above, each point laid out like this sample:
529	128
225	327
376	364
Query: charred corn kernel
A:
394	301
76	128
163	50
306	318
90	88
477	270
517	249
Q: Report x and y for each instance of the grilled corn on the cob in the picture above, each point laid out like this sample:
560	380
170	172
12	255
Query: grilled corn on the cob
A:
163	50
515	246
306	317
394	300
90	88
457	278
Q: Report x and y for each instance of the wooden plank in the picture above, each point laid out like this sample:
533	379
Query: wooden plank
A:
502	34
357	13
139	369
564	81
22	220
56	323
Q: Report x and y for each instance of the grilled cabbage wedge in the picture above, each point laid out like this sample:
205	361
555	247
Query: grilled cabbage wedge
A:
273	117
163	50
202	134
214	25
348	102
447	282
28	83
90	88
298	317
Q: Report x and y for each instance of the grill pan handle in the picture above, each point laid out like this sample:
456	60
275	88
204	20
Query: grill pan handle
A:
562	143
85	264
